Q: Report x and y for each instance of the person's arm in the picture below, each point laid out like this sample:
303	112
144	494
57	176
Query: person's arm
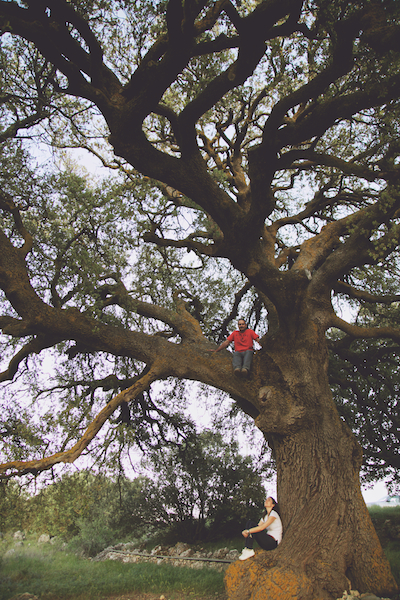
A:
260	527
224	344
257	338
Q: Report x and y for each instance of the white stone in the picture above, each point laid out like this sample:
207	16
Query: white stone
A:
188	552
179	548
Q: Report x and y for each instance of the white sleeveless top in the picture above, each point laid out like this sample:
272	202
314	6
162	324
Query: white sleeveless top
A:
275	529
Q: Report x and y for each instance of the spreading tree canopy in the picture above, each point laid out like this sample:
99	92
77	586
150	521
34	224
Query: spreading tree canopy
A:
258	151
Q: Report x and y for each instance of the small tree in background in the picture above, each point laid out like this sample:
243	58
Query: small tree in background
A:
60	508
13	505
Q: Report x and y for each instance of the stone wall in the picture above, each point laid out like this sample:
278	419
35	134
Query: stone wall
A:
179	555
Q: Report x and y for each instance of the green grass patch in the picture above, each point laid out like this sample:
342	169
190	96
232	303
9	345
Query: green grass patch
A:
392	552
387	523
53	574
56	575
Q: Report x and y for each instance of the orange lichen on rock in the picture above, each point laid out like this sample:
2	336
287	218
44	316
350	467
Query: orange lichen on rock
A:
249	581
281	583
240	578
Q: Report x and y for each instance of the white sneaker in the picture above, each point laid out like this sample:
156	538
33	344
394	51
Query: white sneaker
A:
247	553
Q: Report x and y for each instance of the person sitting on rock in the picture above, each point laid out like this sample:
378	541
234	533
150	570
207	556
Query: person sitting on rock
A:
268	532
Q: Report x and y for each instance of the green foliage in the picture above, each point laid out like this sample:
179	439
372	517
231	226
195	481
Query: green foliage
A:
202	489
89	511
364	377
94	535
13	504
20	435
369	404
84	506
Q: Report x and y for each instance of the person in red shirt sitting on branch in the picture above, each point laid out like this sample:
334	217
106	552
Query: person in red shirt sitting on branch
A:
243	344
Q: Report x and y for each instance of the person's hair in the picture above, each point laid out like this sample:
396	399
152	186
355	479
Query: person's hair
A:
241	319
276	507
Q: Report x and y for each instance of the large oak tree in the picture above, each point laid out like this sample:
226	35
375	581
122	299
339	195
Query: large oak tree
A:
272	127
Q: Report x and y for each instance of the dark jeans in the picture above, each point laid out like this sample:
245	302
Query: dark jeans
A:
242	360
265	541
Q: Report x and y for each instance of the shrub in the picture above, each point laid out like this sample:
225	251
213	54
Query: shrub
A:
93	537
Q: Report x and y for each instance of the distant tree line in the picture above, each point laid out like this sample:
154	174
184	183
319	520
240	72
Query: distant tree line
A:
199	490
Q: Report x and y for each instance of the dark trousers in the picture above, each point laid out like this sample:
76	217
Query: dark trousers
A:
265	541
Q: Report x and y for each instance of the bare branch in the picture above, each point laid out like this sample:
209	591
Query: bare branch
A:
352	292
35	346
290	160
358	332
13	468
234	309
189	242
12	130
7	204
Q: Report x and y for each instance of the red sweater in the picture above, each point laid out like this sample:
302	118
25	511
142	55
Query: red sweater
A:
243	340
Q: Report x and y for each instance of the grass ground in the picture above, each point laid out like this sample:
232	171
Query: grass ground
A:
55	575
52	574
387	525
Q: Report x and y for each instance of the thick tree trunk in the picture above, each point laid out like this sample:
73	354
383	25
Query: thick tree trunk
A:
329	542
